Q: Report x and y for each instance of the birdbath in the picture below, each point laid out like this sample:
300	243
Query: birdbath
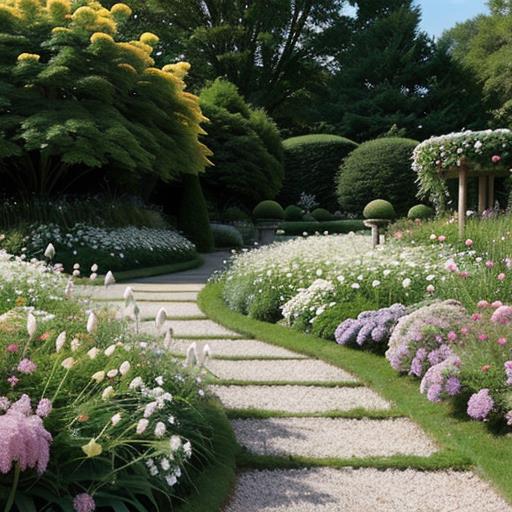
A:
376	225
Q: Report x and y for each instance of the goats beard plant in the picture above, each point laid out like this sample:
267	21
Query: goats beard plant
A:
75	98
91	415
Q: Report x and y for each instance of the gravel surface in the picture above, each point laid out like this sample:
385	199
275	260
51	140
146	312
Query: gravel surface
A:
162	287
286	371
238	348
115	293
333	437
188	328
149	310
299	399
363	490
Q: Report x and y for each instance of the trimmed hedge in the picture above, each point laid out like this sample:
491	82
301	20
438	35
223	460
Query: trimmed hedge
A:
333	227
322	215
293	213
226	237
378	168
421	211
311	164
379	209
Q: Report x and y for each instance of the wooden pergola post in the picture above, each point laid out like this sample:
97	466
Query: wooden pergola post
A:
482	194
490	191
463	198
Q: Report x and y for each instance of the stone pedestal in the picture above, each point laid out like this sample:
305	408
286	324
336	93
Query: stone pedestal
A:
376	225
266	231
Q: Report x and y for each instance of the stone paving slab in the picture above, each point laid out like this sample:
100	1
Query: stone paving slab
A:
237	348
184	328
149	310
363	490
166	287
333	437
115	293
285	371
299	399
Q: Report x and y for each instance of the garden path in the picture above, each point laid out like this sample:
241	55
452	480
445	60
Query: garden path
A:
315	432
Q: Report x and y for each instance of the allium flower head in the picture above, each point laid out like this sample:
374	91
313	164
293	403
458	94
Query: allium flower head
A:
84	503
27	366
502	315
109	279
44	408
480	405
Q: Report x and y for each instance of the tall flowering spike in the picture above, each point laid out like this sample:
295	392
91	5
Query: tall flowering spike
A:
168	339
128	296
31	326
160	319
60	341
70	287
109	279
207	353
192	358
92	322
49	251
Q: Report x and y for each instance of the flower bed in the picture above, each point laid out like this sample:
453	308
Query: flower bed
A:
111	249
90	414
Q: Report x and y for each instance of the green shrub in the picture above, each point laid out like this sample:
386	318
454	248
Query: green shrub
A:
226	237
247	230
321	215
379	209
193	214
311	164
332	227
268	210
326	324
308	218
246	145
293	213
235	214
378	168
421	211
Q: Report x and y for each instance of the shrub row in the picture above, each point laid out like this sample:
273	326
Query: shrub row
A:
333	227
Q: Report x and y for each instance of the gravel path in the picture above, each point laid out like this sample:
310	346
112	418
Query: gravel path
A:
363	490
115	293
299	399
237	349
332	437
184	328
286	371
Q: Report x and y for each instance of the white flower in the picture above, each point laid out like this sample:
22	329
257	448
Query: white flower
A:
128	296
376	283
430	277
168	339
31	325
112	373
187	448
92	353
136	383
109	350
75	344
150	409
160	429
192	358
68	363
175	443
94	268
49	251
153	471
319	272
93	276
76	266
160	319
433	237
116	419
68	291
431	288
142	425
92	322
125	367
207	353
60	341
165	464
355	286
159	380
108	392
406	282
98	376
109	279
171	480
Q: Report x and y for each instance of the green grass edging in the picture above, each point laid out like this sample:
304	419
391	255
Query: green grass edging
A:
458	438
214	485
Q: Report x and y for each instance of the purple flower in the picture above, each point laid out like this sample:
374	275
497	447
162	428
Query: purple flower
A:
480	405
13	380
442	380
434	393
417	362
4	403
503	315
44	408
27	366
439	355
22	405
508	417
453	386
84	503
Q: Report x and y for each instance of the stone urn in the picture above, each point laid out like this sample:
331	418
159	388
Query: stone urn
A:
376	225
267	229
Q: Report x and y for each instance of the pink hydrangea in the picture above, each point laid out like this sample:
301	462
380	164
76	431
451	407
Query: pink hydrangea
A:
480	405
503	315
84	503
27	366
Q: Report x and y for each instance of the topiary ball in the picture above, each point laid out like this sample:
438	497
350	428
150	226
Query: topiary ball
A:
308	218
421	211
379	209
235	214
293	213
268	210
321	215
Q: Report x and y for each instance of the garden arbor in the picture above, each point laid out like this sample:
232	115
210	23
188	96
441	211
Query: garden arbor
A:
485	155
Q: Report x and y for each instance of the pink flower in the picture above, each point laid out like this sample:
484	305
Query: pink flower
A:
501	277
476	317
441	238
27	366
13	380
483	337
489	264
451	266
44	408
480	405
508	262
84	503
503	315
464	274
501	341
452	336
464	331
23	405
482	304
497	304
12	348
469	242
496	159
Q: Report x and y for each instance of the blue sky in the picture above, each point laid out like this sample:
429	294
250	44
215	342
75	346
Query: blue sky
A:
439	15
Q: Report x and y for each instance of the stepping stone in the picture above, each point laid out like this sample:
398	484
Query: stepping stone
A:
284	371
363	490
237	349
185	328
149	310
165	288
115	293
299	399
332	437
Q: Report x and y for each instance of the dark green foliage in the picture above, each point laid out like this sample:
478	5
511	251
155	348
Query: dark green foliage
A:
322	215
293	213
226	237
247	149
308	218
332	227
326	324
421	211
234	214
193	214
311	164
379	209
270	210
378	168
